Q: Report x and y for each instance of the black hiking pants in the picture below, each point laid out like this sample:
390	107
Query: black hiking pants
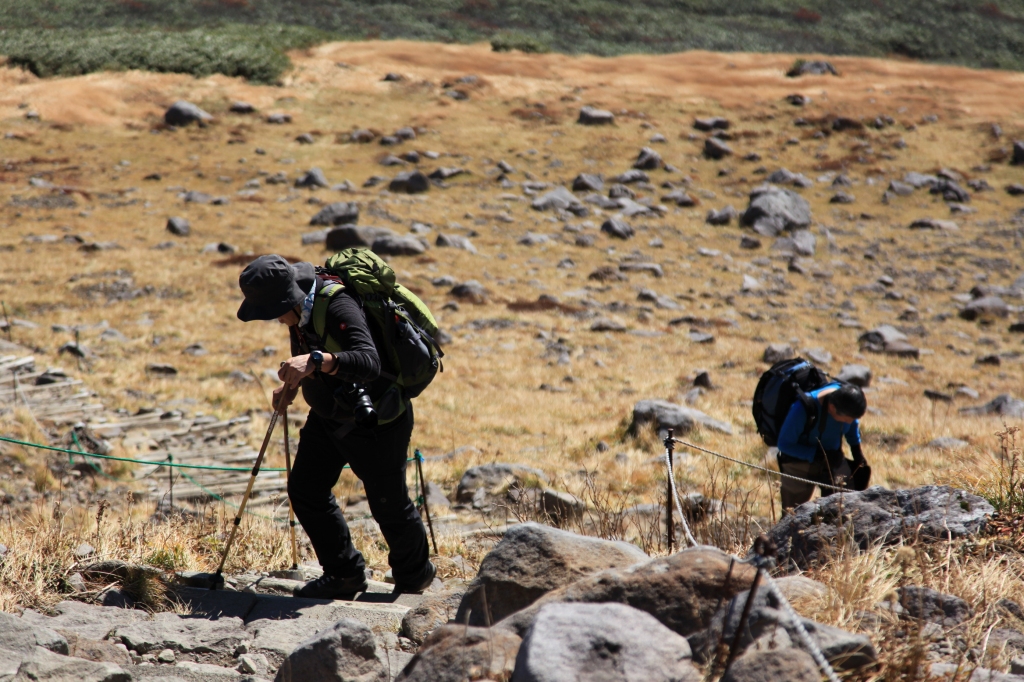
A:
378	457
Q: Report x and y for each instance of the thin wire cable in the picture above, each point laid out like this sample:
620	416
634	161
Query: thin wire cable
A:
675	496
761	468
801	631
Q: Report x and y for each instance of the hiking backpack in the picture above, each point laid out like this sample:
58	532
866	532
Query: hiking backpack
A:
785	383
407	327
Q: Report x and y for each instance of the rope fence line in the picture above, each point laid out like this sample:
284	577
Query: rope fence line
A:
759	560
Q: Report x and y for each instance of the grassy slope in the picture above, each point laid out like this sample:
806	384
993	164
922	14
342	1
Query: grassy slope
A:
972	33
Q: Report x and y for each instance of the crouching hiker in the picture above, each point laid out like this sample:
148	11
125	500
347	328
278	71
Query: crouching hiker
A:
360	413
817	453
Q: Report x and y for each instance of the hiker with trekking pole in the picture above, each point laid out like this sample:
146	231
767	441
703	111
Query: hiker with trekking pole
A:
362	346
806	414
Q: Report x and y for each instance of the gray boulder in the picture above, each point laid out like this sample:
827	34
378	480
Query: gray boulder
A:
773	210
179	227
924	603
398	245
181	113
648	159
190	635
768	665
345	652
683	591
87	621
456	653
799	243
18	635
471	290
985	308
811	68
889	340
722	216
558	199
934	224
1003	405
858	375
530	561
711	123
590	116
1018	153
616	227
777	352
665	415
585	182
716	149
878	515
410	182
313	178
952	671
41	665
602	643
339	213
433	611
454	241
349	236
490	477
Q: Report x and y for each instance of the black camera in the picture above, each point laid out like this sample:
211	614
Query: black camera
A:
357	398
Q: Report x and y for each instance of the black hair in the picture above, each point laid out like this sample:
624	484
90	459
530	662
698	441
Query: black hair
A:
849	401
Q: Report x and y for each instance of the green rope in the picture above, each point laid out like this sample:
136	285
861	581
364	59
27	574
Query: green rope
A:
228	502
162	463
85	456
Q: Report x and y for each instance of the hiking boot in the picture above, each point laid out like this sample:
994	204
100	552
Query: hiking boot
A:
420	583
331	586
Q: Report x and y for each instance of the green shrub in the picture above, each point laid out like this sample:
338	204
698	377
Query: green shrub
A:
254	53
506	41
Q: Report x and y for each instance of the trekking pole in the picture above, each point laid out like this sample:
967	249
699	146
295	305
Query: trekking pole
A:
287	474
218	577
423	491
670	447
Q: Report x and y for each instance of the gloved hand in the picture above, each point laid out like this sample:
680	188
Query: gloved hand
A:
858	455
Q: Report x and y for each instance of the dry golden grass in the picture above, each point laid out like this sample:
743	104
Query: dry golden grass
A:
488	395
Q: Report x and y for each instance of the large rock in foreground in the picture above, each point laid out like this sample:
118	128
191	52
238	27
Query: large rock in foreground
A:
878	515
773	210
665	415
345	652
455	653
683	591
530	561
570	642
41	665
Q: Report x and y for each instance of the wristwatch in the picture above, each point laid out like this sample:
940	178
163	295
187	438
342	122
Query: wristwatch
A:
318	359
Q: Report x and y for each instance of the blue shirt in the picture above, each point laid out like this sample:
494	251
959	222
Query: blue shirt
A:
792	442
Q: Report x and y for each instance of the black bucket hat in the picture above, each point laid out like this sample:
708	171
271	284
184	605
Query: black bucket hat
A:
272	287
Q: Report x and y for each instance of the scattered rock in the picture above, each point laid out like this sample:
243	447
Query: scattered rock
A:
712	123
887	339
1018	153
179	227
665	415
858	375
934	224
716	149
398	245
313	178
454	241
924	603
279	119
456	653
877	515
811	68
778	352
339	213
757	665
41	665
345	652
162	369
186	635
585	182
241	108
594	117
558	199
616	227
648	159
773	210
570	642
348	236
749	243
410	182
842	198
530	561
722	216
985	308
433	611
1003	405
470	290
182	113
22	637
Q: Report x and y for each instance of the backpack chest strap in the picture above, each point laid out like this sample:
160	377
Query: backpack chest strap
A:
319	315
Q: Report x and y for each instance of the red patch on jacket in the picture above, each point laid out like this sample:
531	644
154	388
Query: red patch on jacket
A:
342	326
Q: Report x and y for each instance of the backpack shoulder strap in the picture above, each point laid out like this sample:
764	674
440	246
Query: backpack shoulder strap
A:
321	302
